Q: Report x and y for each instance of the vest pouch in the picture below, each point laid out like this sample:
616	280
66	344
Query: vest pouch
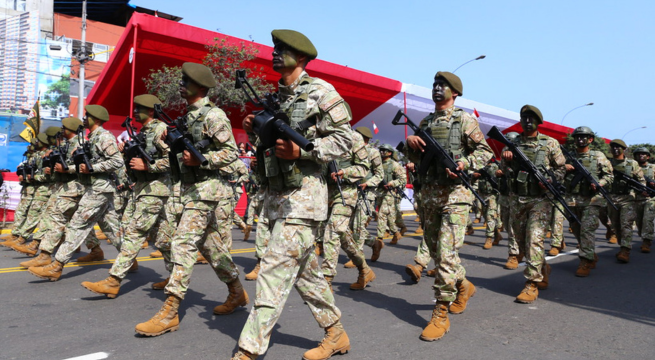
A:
272	170
186	174
292	173
522	183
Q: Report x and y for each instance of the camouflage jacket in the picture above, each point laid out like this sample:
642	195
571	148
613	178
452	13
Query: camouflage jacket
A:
484	186
649	172
235	174
604	178
636	174
358	158
41	181
105	159
376	171
154	130
73	187
399	178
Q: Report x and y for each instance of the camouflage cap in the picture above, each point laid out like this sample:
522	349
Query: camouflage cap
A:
200	74
583	130
97	111
532	109
43	139
51	131
147	100
453	80
366	132
295	40
71	123
641	150
619	142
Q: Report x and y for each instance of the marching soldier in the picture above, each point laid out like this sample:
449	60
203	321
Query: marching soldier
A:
645	204
506	213
490	210
26	198
394	178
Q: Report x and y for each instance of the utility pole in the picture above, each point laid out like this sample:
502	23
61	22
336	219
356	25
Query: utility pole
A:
82	58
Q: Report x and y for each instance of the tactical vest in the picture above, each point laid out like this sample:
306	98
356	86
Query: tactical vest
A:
151	149
193	174
342	164
484	186
583	187
449	135
284	174
89	179
387	166
65	177
620	187
524	184
648	171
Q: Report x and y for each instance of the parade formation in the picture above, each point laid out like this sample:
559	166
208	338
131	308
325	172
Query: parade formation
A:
313	189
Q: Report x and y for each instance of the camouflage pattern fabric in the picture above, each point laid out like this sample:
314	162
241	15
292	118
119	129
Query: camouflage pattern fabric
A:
531	215
422	256
376	171
557	226
262	235
33	217
646	209
168	223
623	219
388	198
507	216
586	231
490	213
52	227
254	206
20	214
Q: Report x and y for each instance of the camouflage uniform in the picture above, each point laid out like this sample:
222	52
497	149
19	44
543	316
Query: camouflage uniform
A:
239	176
255	196
168	223
296	201
26	196
394	174
490	196
97	203
531	209
624	198
372	180
557	226
646	208
123	194
150	193
585	203
445	203
506	216
42	191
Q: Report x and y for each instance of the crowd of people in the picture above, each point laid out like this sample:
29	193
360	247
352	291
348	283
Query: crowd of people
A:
309	203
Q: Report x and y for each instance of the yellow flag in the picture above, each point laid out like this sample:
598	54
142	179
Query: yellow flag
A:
33	124
27	134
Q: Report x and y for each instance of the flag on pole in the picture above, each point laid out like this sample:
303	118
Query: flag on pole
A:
33	124
375	128
475	112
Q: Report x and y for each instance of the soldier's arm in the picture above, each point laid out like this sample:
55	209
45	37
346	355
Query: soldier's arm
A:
377	169
478	153
359	158
113	159
163	164
606	176
637	173
414	155
399	176
220	131
557	160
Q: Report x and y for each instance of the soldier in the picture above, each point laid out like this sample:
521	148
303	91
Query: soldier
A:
645	204
297	200
236	178
506	213
97	203
624	198
255	200
445	201
394	179
256	207
531	208
556	232
26	198
585	200
151	191
490	210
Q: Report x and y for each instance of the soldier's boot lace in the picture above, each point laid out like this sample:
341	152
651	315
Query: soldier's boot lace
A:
439	324
165	319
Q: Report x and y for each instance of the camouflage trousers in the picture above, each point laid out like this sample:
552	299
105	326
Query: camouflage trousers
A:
557	226
531	217
167	225
140	217
262	235
254	208
506	215
338	233
645	217
360	232
444	231
204	226
387	215
93	207
121	199
400	222
52	226
422	256
32	217
20	214
622	221
289	260
236	219
49	207
585	233
490	213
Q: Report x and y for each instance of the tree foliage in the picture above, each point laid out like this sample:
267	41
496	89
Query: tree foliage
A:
58	93
223	59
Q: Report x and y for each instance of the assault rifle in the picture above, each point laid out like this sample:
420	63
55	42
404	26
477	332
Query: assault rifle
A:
57	155
271	124
177	136
333	167
527	166
491	179
361	196
634	184
136	146
434	150
503	184
82	155
399	191
583	173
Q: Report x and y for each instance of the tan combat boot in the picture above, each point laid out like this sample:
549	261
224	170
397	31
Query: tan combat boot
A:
14	240
255	272
108	286
488	243
545	273
134	267
237	297
403	230
645	246
50	272
465	291
497	237
378	244
96	254
414	271
366	275
30	249
349	265
476	221
470	230
431	273
243	355
156	254
554	251
145	245
439	325
529	294
10	239
42	260
417	218
335	341
201	259
160	285
101	236
584	268
164	321
512	263
246	232
592	265
549	234
419	230
613	239
395	238
623	256
319	248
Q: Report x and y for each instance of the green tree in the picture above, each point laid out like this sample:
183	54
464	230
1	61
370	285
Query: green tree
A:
58	93
223	59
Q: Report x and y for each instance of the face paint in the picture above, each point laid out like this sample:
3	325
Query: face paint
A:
528	123
642	158
284	57
88	121
441	91
188	88
581	141
617	150
141	114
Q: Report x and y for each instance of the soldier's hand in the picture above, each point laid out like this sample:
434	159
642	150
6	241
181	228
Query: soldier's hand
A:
120	187
543	187
593	187
247	123
507	155
416	143
138	164
189	160
362	186
651	184
48	152
339	174
84	169
59	168
287	150
132	186
47	170
20	178
121	146
476	175
164	135
452	175
499	173
644	193
410	166
569	168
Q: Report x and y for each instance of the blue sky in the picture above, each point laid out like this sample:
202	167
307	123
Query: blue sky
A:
556	55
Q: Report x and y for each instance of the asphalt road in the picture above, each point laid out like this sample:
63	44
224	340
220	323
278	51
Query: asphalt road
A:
609	315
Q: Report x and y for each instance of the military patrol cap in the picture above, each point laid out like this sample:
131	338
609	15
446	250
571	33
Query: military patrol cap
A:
583	130
619	142
512	135
97	111
147	100
200	74
641	150
366	132
453	80
295	40
51	131
533	109
71	123
43	138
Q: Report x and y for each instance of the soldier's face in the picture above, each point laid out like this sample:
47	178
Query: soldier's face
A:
582	141
529	122
441	91
284	57
88	121
642	157
141	113
617	150
188	88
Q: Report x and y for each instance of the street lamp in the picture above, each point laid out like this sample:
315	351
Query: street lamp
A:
562	122
477	58
641	127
